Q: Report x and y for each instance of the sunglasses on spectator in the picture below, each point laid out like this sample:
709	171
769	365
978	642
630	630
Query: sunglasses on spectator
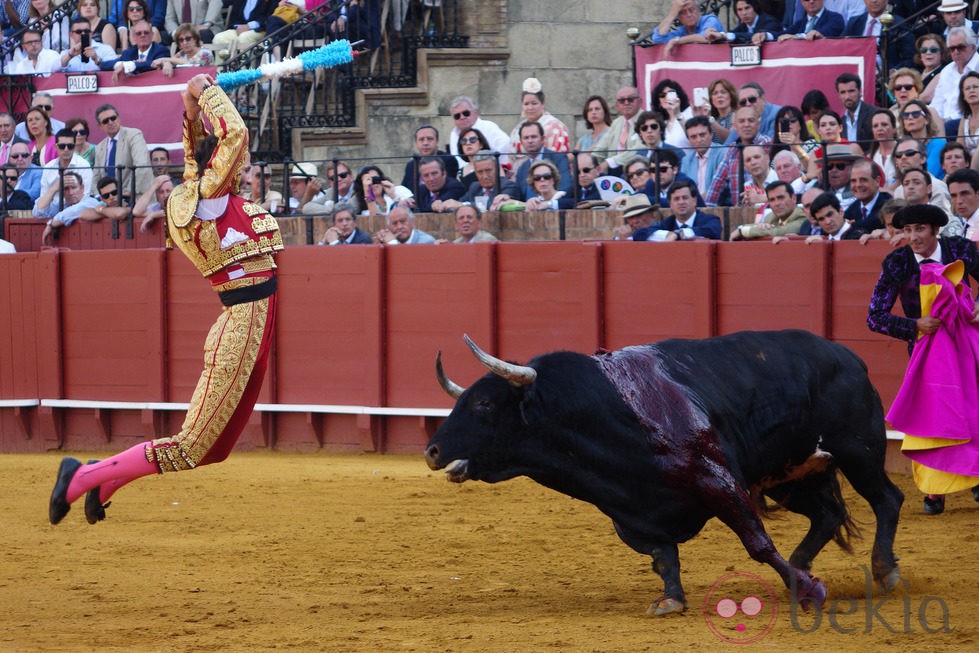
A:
66	146
543	177
81	32
109	193
627	100
913	114
46	107
838	166
108	119
745	101
134	8
142	32
649	126
465	113
901	155
470	139
11	178
933	49
903	87
19	155
80	132
665	168
961	47
343	175
637	173
185	39
585	170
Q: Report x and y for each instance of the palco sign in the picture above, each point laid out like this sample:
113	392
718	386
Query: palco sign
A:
745	55
84	83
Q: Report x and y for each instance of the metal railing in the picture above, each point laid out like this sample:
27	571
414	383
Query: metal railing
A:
10	43
387	58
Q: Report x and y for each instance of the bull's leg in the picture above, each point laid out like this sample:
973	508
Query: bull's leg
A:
817	498
734	507
866	474
666	563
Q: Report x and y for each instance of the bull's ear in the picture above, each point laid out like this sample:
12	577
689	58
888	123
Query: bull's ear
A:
452	389
517	375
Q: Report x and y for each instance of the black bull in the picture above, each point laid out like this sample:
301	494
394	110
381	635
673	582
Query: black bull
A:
663	437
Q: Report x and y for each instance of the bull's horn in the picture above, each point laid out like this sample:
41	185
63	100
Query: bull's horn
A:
451	388
517	375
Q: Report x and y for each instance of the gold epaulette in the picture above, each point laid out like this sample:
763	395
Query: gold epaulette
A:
182	204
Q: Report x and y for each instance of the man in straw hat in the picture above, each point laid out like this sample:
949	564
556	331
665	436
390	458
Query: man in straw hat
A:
231	241
901	275
639	213
953	13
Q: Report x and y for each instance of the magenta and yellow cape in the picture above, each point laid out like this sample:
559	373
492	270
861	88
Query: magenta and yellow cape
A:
937	406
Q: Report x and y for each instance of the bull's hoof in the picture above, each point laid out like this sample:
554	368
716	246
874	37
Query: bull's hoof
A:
891	579
814	594
665	605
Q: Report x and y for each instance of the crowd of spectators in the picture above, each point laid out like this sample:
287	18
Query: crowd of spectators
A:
692	149
137	35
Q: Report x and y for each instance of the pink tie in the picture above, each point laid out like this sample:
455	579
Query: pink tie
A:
870	26
4	153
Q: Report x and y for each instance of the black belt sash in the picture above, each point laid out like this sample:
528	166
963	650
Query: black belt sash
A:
247	294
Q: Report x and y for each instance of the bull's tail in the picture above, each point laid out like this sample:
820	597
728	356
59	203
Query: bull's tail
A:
849	529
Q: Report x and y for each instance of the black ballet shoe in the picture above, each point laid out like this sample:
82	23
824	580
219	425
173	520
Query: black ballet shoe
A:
58	505
94	510
975	493
934	506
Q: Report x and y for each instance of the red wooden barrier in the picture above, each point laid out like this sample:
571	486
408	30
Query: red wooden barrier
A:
549	298
30	348
654	292
358	328
782	286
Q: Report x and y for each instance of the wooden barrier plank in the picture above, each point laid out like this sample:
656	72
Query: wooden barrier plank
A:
654	292
548	298
328	340
431	302
766	286
113	308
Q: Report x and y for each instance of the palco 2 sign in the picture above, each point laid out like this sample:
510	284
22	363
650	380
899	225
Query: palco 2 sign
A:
85	83
746	55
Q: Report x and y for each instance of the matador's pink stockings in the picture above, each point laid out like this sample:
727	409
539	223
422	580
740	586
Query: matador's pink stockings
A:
111	473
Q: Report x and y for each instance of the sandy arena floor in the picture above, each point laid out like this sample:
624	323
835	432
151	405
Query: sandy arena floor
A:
323	552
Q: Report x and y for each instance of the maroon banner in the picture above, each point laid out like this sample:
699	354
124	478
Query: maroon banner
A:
787	72
149	102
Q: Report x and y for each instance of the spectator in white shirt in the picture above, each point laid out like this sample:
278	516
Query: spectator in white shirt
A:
962	46
37	59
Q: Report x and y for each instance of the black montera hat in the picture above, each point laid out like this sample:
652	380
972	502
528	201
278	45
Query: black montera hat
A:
920	214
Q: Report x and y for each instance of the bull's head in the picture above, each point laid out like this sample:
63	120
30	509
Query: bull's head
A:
481	410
